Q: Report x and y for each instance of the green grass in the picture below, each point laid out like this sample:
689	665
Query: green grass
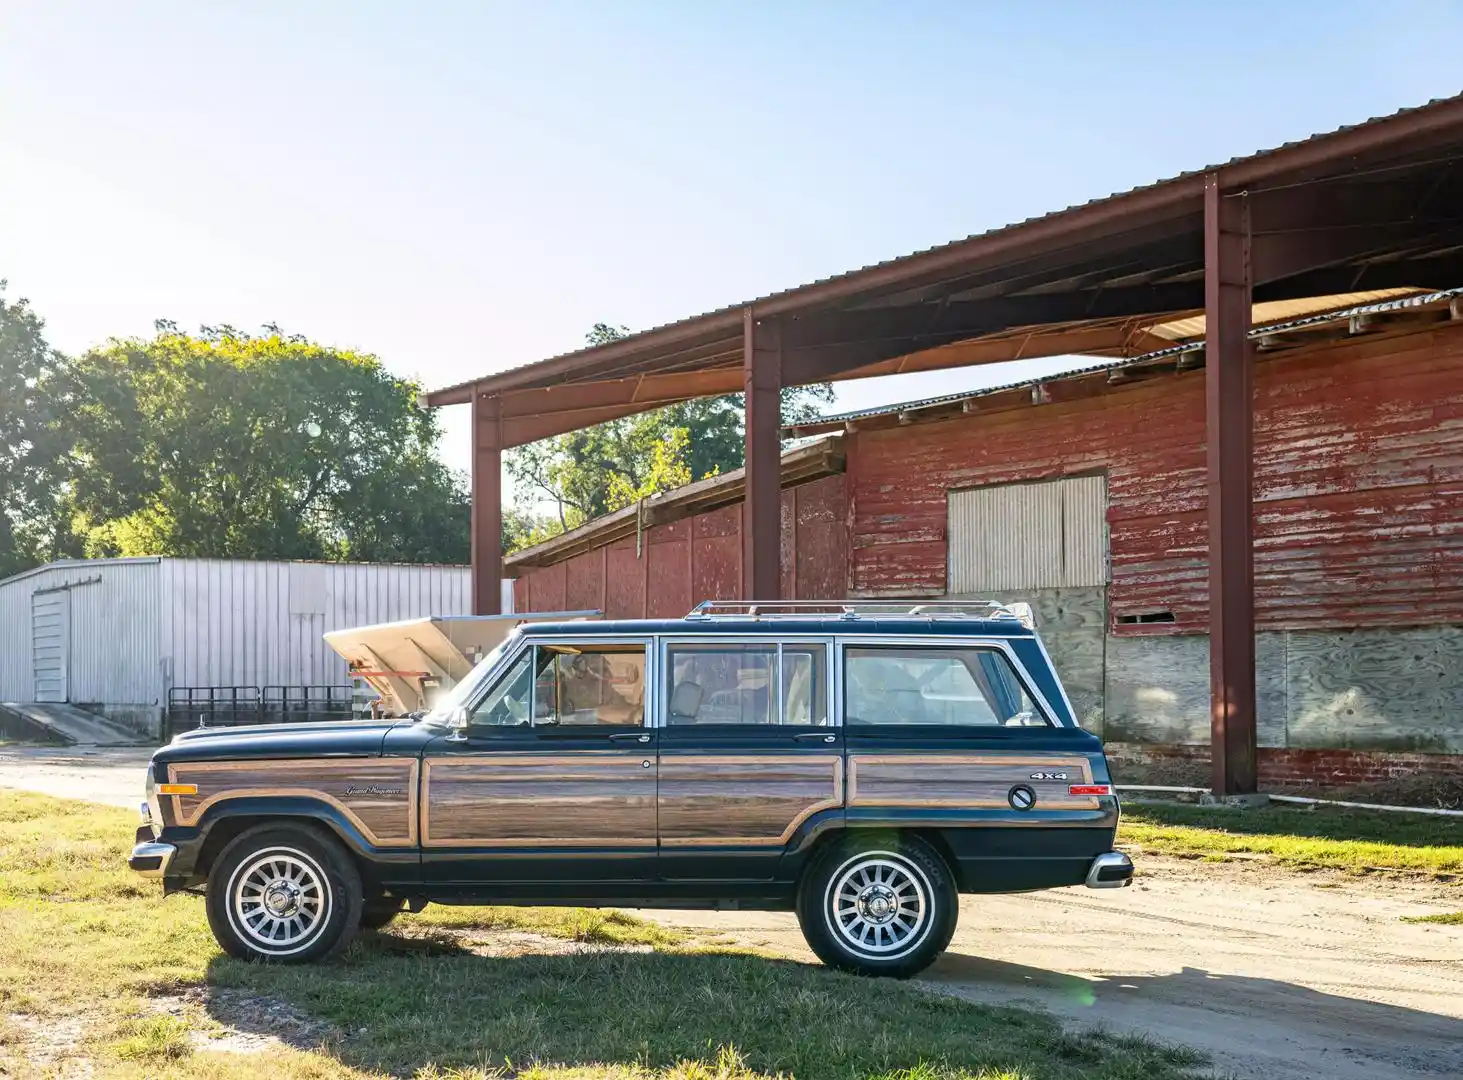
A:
1357	841
1452	918
87	947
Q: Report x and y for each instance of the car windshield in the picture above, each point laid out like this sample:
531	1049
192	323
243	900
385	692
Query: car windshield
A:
466	690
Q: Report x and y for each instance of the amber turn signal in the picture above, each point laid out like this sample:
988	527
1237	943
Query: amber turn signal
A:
177	789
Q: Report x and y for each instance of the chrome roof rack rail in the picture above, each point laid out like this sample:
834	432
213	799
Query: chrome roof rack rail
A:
857	609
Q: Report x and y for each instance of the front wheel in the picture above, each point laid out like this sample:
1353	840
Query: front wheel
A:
288	893
882	905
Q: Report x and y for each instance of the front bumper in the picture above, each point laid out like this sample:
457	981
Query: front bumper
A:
150	858
1110	871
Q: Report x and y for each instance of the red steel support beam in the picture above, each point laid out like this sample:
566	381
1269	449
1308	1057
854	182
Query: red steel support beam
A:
487	505
762	535
1230	391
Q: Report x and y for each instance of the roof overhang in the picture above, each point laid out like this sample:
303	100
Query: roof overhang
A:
1370	207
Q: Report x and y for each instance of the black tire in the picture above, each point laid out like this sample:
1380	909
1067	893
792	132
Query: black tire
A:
878	904
285	893
378	912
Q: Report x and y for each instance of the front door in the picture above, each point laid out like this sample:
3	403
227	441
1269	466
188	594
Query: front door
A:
749	754
552	782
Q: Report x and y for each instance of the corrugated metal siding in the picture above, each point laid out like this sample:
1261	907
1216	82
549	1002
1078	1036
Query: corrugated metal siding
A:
1047	535
700	558
231	623
113	638
1358	483
139	627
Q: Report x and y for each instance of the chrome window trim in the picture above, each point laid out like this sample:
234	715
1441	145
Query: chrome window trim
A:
1066	700
506	662
830	664
931	641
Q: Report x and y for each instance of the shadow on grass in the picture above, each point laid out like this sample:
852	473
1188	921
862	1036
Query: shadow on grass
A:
1404	830
404	1003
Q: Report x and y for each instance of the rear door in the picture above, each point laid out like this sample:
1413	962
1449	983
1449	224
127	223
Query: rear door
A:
750	752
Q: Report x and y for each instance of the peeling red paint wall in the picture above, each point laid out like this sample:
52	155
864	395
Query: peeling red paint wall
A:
700	558
1358	487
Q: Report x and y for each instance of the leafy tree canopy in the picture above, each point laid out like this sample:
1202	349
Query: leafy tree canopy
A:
228	445
32	440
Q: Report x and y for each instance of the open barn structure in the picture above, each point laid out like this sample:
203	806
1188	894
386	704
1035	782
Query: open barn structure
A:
1195	276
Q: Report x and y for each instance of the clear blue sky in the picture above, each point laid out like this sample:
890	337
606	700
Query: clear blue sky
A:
463	187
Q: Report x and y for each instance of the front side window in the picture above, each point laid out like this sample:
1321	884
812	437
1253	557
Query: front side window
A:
936	687
742	685
552	686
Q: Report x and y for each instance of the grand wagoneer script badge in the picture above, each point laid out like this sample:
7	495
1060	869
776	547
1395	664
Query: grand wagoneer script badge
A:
372	789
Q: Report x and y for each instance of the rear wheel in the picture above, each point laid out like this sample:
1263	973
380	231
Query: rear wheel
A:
878	905
288	893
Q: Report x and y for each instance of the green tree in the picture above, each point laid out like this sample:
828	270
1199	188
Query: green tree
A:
228	445
33	442
584	474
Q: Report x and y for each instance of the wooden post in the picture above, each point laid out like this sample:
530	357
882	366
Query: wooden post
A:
487	505
1229	400
762	532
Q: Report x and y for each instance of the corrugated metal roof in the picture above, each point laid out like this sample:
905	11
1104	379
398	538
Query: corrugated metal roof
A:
1417	300
786	293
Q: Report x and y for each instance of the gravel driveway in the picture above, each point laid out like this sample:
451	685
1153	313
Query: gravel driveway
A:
1278	975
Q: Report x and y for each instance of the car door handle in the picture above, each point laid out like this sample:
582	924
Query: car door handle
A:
815	736
627	736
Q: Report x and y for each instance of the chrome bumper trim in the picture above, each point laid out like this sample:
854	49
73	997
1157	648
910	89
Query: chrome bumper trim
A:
143	856
1110	871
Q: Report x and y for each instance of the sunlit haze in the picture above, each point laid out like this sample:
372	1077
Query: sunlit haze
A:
464	187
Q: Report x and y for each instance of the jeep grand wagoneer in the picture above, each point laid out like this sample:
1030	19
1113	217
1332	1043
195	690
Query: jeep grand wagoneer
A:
858	766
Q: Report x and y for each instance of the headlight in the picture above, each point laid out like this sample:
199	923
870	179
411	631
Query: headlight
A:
154	804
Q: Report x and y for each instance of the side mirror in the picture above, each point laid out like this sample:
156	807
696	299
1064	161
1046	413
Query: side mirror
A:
458	722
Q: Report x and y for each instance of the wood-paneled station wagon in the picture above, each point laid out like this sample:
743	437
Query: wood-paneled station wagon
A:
857	764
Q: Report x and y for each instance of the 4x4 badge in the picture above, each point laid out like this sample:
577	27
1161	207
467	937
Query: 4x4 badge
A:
1048	776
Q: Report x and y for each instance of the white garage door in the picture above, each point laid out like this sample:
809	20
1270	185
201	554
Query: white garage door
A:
50	643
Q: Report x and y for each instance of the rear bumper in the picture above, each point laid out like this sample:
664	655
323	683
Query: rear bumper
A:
1110	871
151	859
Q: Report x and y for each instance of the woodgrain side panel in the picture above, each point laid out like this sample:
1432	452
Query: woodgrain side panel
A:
751	799
581	800
377	794
975	780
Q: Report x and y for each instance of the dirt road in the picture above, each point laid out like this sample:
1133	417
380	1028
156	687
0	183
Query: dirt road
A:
1277	975
111	775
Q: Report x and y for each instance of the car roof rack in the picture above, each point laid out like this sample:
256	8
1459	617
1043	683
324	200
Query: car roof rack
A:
858	609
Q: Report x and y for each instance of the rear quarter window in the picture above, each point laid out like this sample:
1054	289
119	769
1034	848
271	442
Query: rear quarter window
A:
900	685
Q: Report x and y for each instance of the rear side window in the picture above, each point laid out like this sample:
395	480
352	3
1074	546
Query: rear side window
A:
746	685
898	685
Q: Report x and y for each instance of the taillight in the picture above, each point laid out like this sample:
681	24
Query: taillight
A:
1090	789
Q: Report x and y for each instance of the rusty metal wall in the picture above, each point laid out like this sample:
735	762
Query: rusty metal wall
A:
677	565
1358	486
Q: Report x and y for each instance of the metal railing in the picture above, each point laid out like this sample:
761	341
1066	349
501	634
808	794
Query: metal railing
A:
857	609
192	707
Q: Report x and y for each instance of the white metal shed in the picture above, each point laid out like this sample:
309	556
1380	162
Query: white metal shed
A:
116	635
